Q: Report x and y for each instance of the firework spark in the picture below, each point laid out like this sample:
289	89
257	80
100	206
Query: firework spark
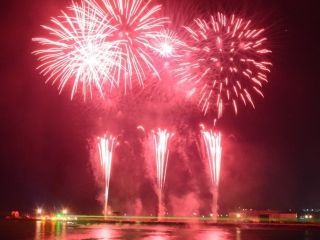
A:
225	62
106	146
136	23
212	148
211	145
78	51
161	139
166	44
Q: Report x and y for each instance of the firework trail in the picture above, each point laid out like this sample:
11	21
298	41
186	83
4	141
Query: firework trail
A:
225	62
212	150
77	51
106	146
161	140
136	24
212	144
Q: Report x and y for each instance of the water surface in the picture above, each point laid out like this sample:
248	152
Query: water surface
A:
68	231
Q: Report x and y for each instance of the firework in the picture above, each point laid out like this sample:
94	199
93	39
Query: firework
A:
161	139
78	51
136	23
106	146
225	62
211	145
166	44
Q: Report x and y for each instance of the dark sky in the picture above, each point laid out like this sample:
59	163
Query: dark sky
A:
271	154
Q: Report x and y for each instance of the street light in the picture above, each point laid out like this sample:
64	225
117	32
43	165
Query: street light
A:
39	211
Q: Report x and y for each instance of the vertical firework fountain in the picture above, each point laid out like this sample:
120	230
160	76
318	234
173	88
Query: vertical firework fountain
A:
212	151
161	139
106	146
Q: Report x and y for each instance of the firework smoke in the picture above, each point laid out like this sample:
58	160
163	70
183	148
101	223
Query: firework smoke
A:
99	45
212	150
106	146
226	61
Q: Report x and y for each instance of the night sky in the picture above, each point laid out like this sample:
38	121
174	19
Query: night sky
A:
271	154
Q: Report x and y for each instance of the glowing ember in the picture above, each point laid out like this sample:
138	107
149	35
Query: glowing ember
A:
106	146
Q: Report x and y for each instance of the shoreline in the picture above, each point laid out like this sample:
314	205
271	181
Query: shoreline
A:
170	222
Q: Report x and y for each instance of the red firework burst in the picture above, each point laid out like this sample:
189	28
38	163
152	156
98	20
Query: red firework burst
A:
137	24
77	52
225	62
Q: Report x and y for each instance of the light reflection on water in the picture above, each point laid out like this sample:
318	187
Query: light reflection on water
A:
63	231
28	230
56	230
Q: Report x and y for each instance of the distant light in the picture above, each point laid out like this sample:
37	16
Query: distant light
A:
238	215
39	210
64	211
